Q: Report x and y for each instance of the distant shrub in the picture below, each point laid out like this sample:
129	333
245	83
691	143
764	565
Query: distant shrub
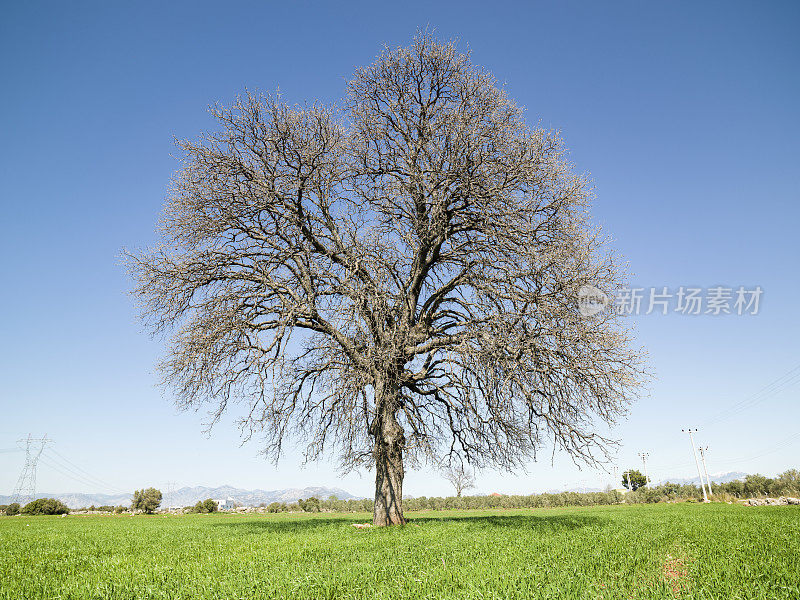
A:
45	506
204	506
277	507
12	509
310	505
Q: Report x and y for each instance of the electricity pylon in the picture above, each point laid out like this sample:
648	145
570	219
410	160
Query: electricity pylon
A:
169	499
25	491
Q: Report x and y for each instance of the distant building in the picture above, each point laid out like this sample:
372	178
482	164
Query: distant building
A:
227	504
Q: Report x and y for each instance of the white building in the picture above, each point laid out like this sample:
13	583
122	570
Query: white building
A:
227	504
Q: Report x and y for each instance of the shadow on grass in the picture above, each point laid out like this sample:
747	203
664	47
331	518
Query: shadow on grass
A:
527	522
522	523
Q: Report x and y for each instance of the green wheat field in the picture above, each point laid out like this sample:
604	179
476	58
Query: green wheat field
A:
643	551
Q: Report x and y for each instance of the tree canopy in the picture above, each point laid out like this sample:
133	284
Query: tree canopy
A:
393	277
45	506
146	500
633	479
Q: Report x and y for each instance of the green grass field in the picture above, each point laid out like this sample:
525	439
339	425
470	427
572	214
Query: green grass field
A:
645	551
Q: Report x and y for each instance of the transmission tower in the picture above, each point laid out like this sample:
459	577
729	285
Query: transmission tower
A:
25	491
169	498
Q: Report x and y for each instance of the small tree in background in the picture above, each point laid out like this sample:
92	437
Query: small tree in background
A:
461	477
146	500
637	480
12	509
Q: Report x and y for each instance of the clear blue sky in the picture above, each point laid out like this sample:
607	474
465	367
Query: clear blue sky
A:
685	114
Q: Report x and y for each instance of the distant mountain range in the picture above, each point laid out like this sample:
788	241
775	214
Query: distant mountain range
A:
188	496
715	478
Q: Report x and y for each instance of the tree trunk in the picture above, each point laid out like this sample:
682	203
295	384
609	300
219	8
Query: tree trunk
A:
388	451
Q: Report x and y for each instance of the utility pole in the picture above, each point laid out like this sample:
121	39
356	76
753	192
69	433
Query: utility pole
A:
628	475
615	483
705	468
691	433
25	491
643	456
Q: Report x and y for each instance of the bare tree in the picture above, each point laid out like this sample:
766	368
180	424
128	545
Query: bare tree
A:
393	277
460	477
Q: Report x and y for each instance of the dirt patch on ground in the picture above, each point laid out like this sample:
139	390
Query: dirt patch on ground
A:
675	574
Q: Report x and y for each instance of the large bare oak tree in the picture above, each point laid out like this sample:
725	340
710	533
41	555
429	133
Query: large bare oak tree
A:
394	277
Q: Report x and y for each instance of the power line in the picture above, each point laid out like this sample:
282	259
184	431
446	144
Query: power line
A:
675	466
66	473
780	446
67	463
735	461
64	464
785	381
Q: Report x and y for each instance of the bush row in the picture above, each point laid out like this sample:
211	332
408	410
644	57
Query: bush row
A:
785	484
42	506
